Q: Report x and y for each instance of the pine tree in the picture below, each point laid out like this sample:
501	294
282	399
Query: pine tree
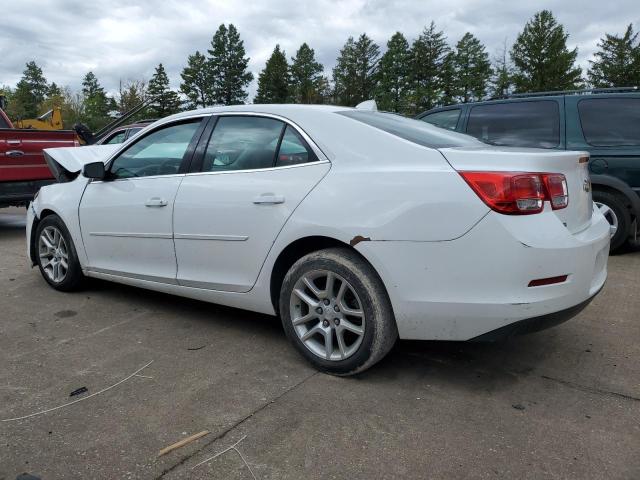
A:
197	83
307	81
228	67
472	69
393	88
96	103
541	58
502	79
355	75
54	90
429	57
274	83
30	92
617	62
165	101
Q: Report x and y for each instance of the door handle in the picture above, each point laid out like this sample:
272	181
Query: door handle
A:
14	153
156	202
268	199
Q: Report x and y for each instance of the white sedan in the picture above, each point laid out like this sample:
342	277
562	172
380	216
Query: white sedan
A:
356	227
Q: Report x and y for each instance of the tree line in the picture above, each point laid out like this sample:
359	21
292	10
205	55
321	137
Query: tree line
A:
407	77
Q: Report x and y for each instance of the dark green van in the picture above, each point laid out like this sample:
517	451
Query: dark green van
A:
603	122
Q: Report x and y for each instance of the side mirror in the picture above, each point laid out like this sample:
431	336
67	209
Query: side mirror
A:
94	170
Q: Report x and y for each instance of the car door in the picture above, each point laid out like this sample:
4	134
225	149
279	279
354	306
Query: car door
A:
126	219
252	174
609	129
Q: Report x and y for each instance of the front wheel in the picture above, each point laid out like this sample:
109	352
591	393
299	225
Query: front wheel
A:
336	311
613	208
57	258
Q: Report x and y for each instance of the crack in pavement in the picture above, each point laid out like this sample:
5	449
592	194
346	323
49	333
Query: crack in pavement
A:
584	388
224	433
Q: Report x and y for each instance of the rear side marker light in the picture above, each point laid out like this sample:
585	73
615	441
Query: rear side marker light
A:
548	281
519	193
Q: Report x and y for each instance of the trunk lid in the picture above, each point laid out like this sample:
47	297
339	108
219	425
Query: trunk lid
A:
573	165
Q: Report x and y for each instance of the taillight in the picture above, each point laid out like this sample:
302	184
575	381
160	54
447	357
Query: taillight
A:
556	185
519	193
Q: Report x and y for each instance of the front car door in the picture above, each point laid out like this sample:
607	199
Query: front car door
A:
126	219
254	171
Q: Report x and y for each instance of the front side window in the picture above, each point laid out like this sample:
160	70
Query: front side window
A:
517	124
610	122
242	143
159	153
444	119
117	138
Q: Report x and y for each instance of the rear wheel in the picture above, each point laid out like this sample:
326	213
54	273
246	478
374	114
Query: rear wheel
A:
613	207
57	258
336	311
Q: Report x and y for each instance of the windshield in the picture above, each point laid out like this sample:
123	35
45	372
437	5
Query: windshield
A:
415	131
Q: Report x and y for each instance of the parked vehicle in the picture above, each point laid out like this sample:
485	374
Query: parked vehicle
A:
23	169
120	134
603	122
355	226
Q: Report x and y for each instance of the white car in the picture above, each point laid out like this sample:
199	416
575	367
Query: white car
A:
356	227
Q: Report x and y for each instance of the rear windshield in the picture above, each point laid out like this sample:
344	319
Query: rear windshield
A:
610	122
3	122
415	131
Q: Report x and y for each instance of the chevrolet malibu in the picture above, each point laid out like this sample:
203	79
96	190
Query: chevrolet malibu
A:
356	227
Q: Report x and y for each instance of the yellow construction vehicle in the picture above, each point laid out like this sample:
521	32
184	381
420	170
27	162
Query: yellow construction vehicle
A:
52	120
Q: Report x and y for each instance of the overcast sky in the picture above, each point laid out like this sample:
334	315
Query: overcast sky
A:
126	39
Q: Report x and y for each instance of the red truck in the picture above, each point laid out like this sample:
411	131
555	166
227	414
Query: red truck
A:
23	169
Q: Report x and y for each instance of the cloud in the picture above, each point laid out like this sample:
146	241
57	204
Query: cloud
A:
126	39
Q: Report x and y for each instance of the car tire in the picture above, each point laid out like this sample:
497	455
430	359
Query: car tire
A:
56	255
619	213
356	314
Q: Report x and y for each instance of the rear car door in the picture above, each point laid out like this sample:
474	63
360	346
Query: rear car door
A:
251	173
609	129
127	219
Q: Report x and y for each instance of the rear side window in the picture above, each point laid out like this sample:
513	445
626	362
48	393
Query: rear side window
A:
415	131
517	124
293	149
444	119
242	143
610	122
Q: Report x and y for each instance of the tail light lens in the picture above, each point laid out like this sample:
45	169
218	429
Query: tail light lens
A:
556	185
518	193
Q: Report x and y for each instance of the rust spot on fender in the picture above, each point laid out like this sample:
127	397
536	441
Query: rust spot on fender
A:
357	239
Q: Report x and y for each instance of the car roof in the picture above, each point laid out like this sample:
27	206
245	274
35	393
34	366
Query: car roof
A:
524	97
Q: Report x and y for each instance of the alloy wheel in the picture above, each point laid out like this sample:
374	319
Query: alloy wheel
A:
611	217
327	315
54	255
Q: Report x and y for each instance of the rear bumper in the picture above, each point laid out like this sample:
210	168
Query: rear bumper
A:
478	283
535	324
20	193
